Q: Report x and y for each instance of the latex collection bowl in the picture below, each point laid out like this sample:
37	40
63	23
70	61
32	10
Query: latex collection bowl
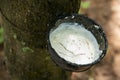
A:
76	42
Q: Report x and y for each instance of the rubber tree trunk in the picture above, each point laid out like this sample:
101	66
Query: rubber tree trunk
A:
25	29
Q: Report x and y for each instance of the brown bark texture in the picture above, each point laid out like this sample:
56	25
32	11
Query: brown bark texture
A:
25	24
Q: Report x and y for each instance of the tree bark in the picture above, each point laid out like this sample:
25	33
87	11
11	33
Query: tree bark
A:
25	29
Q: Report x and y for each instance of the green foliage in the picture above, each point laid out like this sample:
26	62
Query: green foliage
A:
1	35
85	4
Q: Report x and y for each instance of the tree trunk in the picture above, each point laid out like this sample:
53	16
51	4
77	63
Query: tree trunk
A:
25	29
